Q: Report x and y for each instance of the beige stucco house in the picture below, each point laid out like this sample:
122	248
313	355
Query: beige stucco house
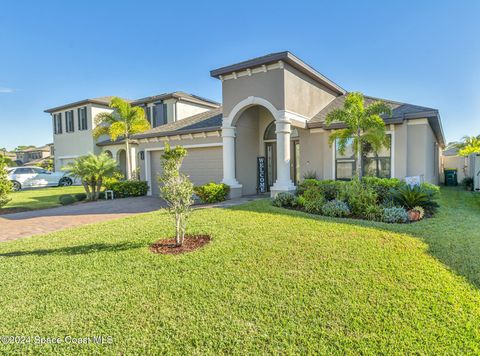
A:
73	123
270	131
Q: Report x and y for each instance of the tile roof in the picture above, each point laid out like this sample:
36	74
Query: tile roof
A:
177	95
103	100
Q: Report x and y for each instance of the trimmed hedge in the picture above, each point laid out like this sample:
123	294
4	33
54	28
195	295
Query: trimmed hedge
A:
127	188
66	199
212	192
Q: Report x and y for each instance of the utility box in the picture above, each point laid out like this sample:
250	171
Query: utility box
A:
451	178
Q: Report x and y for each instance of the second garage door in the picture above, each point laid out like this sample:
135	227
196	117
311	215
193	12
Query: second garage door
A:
202	165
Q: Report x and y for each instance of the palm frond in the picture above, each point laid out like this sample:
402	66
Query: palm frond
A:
378	108
337	115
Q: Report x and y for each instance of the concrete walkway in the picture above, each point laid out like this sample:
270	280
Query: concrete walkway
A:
18	225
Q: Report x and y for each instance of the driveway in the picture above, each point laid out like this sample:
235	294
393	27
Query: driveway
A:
15	226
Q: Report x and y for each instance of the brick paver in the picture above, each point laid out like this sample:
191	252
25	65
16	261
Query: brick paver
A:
18	225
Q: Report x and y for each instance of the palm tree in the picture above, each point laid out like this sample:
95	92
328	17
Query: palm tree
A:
91	170
468	145
363	124
124	121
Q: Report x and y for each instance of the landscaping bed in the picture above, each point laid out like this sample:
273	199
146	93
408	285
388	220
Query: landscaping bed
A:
190	243
377	199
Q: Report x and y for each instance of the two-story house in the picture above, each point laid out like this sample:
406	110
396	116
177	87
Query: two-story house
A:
73	123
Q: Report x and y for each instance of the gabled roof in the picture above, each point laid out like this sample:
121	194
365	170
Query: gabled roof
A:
286	57
103	100
400	113
180	95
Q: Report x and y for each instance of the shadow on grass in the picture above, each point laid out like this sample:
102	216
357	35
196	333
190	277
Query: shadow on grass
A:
452	236
75	250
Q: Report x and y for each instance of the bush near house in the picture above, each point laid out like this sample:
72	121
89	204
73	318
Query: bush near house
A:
371	198
127	188
5	185
212	192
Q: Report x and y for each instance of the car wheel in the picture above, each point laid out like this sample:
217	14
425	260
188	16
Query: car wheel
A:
16	186
65	182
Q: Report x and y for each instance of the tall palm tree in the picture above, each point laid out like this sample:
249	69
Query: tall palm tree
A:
124	121
363	125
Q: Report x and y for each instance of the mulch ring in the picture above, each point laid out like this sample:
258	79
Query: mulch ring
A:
190	243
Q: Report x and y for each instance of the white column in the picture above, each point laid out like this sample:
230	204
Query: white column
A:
283	183
133	158
148	173
228	137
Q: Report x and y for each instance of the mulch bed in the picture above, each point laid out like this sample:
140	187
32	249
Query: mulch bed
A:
190	243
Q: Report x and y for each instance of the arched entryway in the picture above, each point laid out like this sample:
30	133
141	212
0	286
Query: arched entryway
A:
243	143
108	153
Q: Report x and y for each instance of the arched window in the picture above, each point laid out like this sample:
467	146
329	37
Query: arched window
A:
271	135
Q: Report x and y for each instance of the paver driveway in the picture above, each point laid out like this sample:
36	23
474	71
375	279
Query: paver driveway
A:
14	226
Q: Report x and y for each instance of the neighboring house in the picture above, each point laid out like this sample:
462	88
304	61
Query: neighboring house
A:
274	110
34	155
73	123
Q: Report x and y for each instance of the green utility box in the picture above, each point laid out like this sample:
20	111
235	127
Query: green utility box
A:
450	177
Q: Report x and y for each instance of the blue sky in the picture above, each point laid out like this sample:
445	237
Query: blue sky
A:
55	52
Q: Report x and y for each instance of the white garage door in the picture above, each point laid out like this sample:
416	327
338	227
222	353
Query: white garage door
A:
202	165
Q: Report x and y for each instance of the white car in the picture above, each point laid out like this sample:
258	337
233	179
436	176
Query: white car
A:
33	177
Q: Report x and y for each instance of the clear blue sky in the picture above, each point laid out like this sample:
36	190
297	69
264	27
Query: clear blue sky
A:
55	52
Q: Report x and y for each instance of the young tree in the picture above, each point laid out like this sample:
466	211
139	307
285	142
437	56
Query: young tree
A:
124	121
176	189
92	169
363	125
5	184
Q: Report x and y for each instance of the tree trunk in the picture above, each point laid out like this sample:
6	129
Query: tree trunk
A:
99	187
359	155
177	230
128	168
87	189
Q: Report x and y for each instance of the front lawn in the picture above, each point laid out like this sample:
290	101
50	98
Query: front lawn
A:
271	281
31	199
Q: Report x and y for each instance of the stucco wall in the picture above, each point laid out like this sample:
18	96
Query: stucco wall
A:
303	95
187	109
312	153
267	85
77	143
247	150
461	164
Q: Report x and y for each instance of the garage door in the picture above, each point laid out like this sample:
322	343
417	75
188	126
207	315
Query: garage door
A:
202	165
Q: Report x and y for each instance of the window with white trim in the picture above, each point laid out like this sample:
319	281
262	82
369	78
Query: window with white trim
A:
57	123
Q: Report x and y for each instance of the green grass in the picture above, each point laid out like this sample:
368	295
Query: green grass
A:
271	281
43	198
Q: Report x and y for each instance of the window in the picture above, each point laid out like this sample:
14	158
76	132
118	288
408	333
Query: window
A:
57	123
82	118
159	114
69	121
376	164
270	133
24	171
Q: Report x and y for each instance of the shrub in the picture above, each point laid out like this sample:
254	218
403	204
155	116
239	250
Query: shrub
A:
383	186
395	215
423	195
335	208
314	200
115	178
307	184
128	188
329	188
66	199
5	184
284	200
467	182
300	201
373	212
212	192
80	196
358	196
